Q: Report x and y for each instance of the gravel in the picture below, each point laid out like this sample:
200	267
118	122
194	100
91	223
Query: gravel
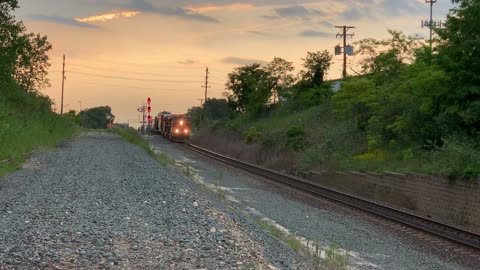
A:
372	243
99	202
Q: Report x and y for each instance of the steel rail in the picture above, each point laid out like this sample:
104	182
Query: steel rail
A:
434	227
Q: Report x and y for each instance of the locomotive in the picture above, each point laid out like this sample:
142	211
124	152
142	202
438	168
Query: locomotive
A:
175	127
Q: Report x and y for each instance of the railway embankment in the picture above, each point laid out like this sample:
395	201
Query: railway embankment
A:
455	202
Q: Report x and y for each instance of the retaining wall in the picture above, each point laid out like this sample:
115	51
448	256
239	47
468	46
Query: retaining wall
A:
456	203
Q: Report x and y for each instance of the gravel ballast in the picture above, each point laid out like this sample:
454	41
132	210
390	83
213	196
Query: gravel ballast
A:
99	202
373	243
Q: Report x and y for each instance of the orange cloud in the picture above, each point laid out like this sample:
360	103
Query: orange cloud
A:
108	16
210	8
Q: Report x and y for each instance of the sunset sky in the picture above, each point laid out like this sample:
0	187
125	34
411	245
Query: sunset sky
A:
119	52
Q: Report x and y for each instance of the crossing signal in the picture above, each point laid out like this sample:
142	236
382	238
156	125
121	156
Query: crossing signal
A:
149	109
149	101
149	118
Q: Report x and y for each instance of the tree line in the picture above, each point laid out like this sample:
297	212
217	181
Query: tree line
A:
407	98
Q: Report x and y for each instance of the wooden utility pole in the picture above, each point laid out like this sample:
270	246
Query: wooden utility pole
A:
63	84
201	102
344	36
206	92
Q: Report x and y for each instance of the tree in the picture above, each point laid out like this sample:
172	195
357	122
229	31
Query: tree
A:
316	65
97	118
23	56
216	109
459	55
388	54
251	87
32	65
281	70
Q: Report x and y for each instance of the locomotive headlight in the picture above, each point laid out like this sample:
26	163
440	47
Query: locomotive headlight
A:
181	123
177	131
186	131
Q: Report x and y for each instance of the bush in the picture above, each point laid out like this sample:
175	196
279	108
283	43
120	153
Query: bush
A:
296	138
252	135
459	156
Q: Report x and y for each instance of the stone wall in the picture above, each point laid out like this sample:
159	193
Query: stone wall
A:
456	203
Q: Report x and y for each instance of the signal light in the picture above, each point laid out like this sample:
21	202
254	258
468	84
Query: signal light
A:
149	101
149	118
149	109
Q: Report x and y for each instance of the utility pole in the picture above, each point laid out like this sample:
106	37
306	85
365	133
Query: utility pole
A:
201	102
344	36
206	92
63	84
80	102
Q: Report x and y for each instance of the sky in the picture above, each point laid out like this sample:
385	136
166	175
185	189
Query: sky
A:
120	52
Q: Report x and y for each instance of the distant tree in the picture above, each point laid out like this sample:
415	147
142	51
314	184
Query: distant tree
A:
195	114
389	54
216	109
97	118
281	70
251	87
316	65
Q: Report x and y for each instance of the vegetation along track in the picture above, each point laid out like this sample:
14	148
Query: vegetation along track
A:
452	233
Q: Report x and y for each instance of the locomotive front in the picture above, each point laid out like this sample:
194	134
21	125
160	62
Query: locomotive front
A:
180	128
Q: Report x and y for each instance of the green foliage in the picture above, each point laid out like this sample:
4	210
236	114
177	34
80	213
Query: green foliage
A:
316	65
26	123
251	87
459	156
217	109
296	138
96	118
24	56
252	135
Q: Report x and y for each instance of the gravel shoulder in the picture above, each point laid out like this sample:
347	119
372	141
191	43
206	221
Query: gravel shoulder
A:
98	202
371	242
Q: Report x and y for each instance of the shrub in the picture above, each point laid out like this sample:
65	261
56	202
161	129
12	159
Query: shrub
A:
252	135
295	138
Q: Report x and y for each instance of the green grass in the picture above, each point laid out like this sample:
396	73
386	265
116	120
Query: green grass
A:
27	123
290	240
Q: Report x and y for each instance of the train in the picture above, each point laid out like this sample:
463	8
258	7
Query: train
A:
175	127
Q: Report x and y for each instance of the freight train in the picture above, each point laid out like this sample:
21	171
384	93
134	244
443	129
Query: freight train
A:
175	127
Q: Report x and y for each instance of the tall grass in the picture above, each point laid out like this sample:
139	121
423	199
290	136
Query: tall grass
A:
26	123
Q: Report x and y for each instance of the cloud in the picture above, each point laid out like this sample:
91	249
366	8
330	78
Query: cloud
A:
187	62
209	7
297	11
108	16
316	34
258	33
326	24
142	5
356	13
241	61
61	20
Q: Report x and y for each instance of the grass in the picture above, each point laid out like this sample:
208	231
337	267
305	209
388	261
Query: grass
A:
290	240
334	258
27	123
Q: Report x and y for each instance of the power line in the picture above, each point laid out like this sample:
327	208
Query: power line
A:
161	65
130	79
136	87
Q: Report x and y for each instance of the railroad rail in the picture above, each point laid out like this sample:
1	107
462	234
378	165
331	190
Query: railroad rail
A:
443	230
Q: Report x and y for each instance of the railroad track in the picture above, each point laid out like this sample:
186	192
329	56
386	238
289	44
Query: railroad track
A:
446	231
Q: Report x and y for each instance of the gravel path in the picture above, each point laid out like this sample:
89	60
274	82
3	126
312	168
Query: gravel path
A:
99	202
372	243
